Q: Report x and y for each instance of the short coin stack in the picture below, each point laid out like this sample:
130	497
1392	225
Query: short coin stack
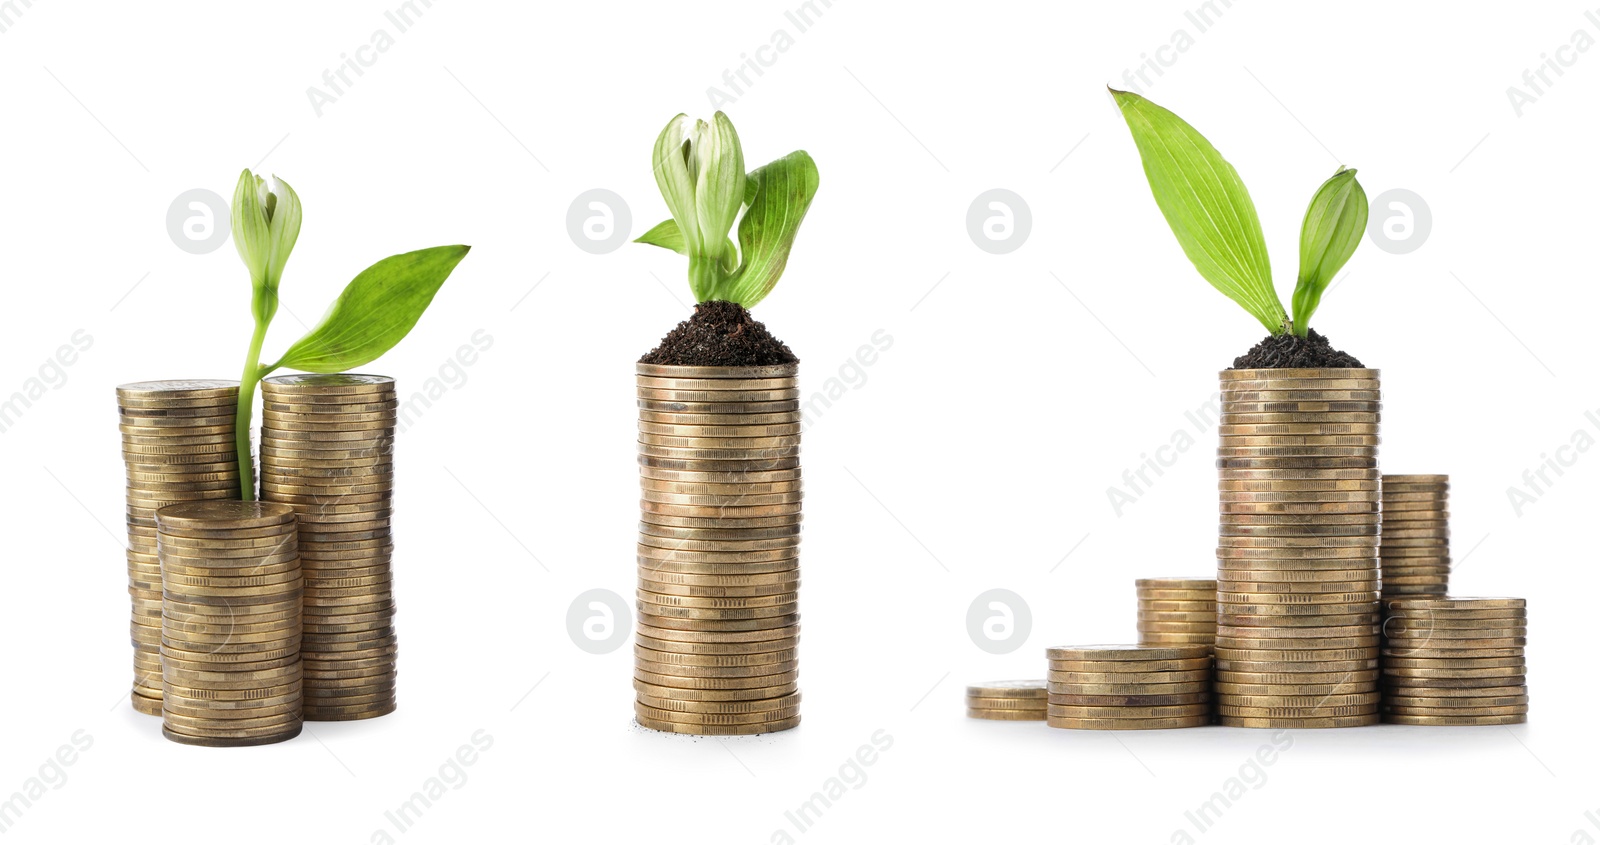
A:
178	446
1414	551
718	554
1177	611
230	630
1450	661
327	447
1297	556
1127	687
1007	701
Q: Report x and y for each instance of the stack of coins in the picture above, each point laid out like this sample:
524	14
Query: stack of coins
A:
1414	551
1177	611
327	446
178	446
1007	701
1129	688
1451	661
1297	556
719	545
230	629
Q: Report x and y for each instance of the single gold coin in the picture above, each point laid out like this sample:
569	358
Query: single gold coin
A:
1123	653
1127	724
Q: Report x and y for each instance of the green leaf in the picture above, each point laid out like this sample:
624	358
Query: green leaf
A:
783	193
1334	223
1207	206
375	311
665	234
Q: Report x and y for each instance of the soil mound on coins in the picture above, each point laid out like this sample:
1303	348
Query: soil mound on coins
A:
720	334
1287	351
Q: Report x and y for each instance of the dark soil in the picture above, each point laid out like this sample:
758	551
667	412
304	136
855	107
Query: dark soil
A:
1287	351
720	334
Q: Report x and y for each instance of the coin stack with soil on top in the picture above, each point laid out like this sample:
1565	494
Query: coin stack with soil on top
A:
230	632
1414	549
327	447
1008	701
1297	557
1455	661
1177	611
1129	687
177	446
716	647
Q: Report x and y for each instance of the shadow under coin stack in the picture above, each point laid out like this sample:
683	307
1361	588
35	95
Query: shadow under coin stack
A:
1007	701
230	632
1129	688
1414	549
327	447
1297	556
1450	661
1177	611
178	446
719	543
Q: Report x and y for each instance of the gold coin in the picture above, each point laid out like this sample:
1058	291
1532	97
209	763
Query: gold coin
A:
1127	724
717	372
1156	711
1302	655
1325	696
1297	678
1460	705
1064	678
1130	689
1403	719
1202	584
717	730
1442	604
1295	712
1276	667
1123	652
1130	700
1184	665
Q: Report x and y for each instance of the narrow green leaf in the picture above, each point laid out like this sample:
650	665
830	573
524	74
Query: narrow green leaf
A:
783	192
1206	205
1334	223
375	311
666	234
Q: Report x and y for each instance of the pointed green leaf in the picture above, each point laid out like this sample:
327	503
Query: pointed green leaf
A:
1207	206
783	193
1334	223
665	234
375	311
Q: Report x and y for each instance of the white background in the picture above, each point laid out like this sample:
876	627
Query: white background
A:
976	454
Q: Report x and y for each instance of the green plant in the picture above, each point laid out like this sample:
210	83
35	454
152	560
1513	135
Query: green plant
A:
375	311
1210	212
700	170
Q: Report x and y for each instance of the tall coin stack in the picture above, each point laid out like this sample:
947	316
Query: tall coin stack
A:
1129	688
1007	701
1177	611
1452	661
719	544
178	446
1297	551
327	447
1414	549
230	631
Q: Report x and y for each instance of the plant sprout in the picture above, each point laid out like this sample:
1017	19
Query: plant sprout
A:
375	311
1210	212
699	167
